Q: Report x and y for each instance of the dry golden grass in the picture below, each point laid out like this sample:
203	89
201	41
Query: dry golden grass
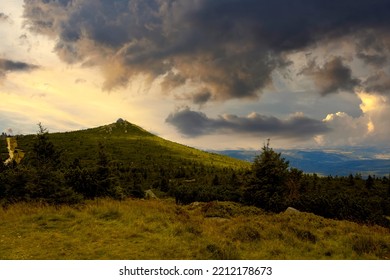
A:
159	229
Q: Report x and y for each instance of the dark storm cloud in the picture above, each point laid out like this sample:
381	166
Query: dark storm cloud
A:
194	124
332	76
378	60
10	65
201	97
14	66
373	48
378	83
172	81
230	47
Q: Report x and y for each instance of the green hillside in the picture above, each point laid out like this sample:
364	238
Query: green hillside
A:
117	160
128	143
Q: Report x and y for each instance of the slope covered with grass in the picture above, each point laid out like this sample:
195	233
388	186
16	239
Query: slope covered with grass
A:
130	144
159	229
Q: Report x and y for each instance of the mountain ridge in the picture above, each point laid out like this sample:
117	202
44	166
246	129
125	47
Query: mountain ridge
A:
335	162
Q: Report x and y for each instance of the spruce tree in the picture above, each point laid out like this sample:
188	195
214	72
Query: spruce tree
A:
44	156
46	179
267	185
107	185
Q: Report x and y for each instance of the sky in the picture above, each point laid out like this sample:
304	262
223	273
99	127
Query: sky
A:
211	74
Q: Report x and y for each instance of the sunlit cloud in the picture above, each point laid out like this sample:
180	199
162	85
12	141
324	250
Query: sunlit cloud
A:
371	102
369	128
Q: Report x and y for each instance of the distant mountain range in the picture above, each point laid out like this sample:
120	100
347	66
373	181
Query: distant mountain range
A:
336	162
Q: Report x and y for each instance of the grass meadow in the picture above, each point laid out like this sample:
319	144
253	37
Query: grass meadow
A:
106	229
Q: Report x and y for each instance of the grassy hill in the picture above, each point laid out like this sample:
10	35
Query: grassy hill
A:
117	160
128	143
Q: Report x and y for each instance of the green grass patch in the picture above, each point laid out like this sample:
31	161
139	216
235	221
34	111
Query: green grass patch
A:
159	229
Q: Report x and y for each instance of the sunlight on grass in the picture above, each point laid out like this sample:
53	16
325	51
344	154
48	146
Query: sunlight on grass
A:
143	229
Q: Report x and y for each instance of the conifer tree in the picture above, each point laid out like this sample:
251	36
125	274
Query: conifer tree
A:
46	179
370	182
44	155
106	183
267	185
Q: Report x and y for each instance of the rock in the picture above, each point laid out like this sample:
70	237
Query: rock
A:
292	210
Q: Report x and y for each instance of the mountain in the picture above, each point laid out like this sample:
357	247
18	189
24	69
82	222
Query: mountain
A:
336	162
129	144
126	143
